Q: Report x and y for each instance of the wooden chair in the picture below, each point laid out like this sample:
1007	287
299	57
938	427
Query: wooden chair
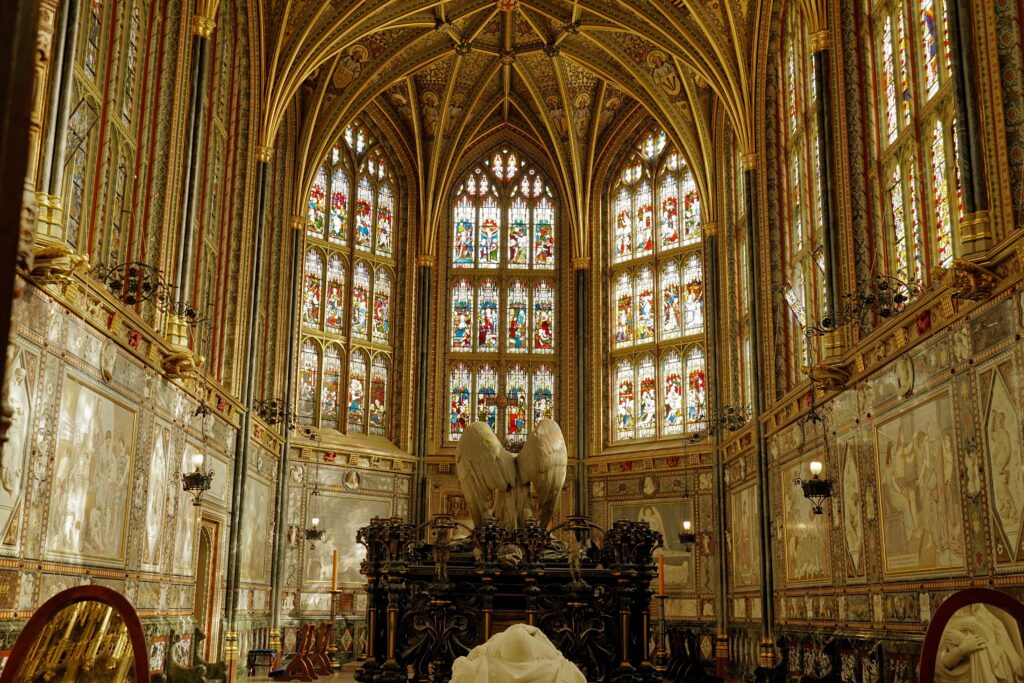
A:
321	657
300	668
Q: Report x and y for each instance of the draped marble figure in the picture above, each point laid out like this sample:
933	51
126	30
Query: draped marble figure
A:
495	481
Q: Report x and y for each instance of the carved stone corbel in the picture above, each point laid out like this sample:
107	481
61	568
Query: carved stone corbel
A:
829	376
968	280
182	363
56	264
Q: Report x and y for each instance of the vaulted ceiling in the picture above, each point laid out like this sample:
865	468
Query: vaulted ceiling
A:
560	73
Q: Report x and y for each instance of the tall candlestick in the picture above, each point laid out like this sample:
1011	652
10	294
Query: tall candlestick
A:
661	574
334	569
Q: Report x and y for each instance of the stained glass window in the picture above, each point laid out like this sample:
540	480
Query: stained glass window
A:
462	316
696	389
623	227
378	403
516	408
543	234
669	212
339	206
519	235
503	244
490	234
317	199
330	392
334	309
93	36
671	300
312	289
335	226
357	392
645	311
647	408
131	59
694	278
364	215
913	72
672	377
624	416
382	306
360	300
460	383
644	220
543	393
518	318
943	219
309	376
623	310
544	318
487	317
487	395
385	220
659	301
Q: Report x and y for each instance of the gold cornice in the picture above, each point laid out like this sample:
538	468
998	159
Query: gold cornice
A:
264	153
581	263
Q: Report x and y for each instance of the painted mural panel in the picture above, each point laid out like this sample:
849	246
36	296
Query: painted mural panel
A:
91	474
1005	466
160	496
853	509
745	545
342	517
186	520
14	455
257	510
807	544
919	490
666	517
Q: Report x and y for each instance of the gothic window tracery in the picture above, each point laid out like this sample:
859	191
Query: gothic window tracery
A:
348	289
656	295
502	300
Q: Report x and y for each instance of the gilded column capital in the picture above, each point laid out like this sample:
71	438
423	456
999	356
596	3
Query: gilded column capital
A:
749	161
297	222
710	228
820	40
581	263
202	26
426	260
264	153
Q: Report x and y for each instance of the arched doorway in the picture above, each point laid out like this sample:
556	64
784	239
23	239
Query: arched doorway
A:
202	601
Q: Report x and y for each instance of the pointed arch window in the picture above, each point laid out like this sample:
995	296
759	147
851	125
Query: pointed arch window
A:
502	304
349	286
656	291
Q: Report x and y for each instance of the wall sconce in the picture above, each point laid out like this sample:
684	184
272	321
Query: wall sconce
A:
816	489
198	481
686	536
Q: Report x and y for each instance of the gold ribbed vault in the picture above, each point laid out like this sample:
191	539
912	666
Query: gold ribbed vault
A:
561	74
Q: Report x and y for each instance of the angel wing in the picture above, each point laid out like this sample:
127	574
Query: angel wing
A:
543	461
484	467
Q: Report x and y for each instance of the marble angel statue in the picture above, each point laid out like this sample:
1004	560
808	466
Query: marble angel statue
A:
495	481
